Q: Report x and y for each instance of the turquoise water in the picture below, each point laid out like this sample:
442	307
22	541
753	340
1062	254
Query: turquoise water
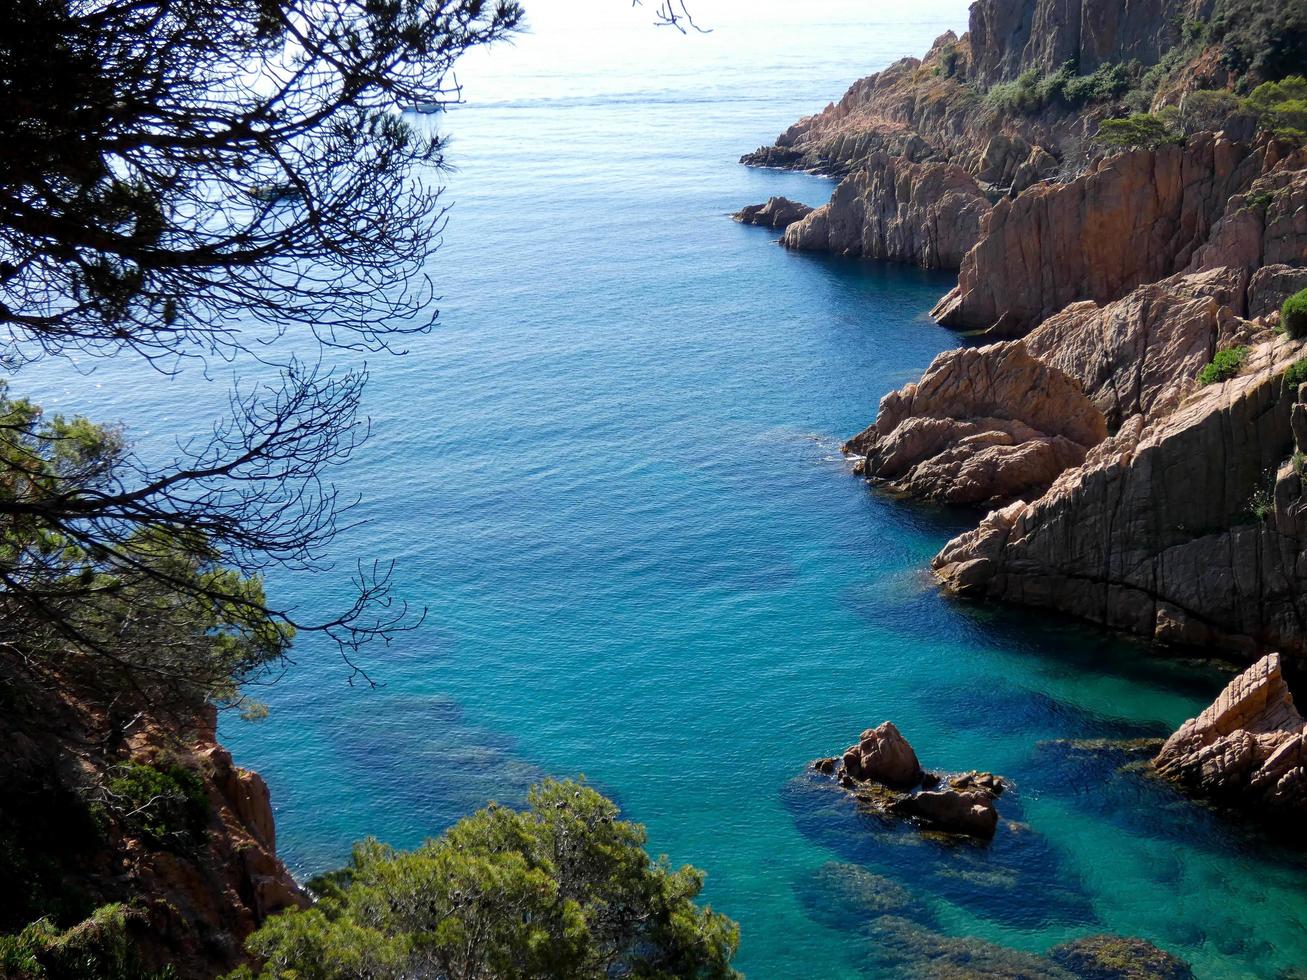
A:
612	475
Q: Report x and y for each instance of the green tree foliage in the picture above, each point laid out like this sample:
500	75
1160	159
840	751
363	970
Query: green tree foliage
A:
101	580
1224	366
562	889
1032	91
1293	315
1142	130
165	800
1264	40
1281	107
97	949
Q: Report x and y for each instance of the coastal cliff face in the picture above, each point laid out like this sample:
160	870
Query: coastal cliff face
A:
1010	36
1134	218
109	804
1126	491
926	214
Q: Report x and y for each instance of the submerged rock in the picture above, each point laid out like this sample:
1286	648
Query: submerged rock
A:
778	212
1108	957
1248	748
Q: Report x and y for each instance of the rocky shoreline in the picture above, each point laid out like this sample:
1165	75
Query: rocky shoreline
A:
1101	281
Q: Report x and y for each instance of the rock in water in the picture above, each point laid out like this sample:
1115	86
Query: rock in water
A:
969	812
1107	957
778	212
883	755
983	426
883	773
1249	747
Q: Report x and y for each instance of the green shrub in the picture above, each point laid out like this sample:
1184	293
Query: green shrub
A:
1210	109
97	948
165	801
1032	91
1296	374
1142	130
1293	315
1261	503
1281	107
1265	40
949	59
1298	460
1225	365
1020	96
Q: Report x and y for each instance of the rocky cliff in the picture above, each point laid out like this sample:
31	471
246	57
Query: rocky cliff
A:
107	803
1126	490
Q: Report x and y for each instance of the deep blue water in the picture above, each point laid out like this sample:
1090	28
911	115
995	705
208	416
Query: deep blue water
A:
612	475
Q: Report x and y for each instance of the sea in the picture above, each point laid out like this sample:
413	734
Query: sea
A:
611	476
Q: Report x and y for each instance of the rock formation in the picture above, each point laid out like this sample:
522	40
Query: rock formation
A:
193	895
982	425
925	214
1188	529
1141	354
884	755
1249	748
1134	218
882	771
778	212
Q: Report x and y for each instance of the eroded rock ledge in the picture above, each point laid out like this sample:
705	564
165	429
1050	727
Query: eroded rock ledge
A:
1189	529
1248	749
985	425
778	212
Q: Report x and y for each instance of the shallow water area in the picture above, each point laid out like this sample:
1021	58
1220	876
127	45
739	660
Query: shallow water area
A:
612	475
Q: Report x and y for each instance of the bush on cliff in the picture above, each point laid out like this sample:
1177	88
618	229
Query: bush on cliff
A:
1293	315
1224	366
562	889
1263	40
1033	91
165	800
1142	130
97	948
1281	107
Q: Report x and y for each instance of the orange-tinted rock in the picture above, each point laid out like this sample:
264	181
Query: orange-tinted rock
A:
1249	747
883	755
1134	218
924	214
1186	529
982	425
778	212
1141	354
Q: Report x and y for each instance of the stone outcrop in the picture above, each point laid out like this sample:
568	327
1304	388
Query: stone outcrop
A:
883	773
1009	36
1271	285
983	425
1134	218
1248	749
1267	224
1189	529
778	213
192	896
925	214
884	755
1141	354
